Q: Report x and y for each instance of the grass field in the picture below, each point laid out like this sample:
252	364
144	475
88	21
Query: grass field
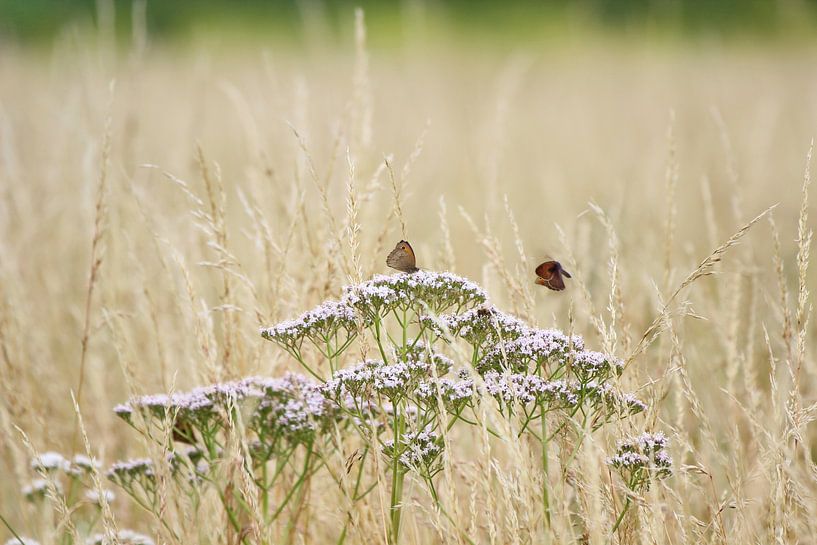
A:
160	206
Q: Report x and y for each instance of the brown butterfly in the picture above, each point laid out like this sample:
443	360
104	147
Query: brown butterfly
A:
550	275
402	258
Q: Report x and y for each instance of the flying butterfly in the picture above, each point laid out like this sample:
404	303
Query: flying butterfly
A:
550	273
402	258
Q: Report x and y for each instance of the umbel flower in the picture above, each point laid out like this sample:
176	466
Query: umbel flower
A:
534	351
401	404
123	537
50	462
435	291
479	326
417	450
331	327
38	488
455	394
642	459
515	388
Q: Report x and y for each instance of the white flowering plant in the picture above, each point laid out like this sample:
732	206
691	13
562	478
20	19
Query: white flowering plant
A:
641	460
398	406
73	483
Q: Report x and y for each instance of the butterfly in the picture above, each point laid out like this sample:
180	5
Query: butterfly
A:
402	258
550	275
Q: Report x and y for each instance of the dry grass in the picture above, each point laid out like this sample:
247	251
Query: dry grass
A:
222	190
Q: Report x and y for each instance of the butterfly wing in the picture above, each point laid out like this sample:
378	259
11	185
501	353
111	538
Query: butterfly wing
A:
545	269
550	275
402	258
556	282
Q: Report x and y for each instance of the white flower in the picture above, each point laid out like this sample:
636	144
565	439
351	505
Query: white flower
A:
82	464
588	364
131	468
26	541
38	488
436	291
479	325
50	461
318	324
532	349
418	450
642	457
92	496
522	388
123	537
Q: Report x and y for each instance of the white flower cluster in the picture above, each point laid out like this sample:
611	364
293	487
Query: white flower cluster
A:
642	458
293	406
128	469
50	461
319	324
436	291
293	403
38	488
123	537
417	450
532	350
454	393
590	365
92	496
516	387
81	465
477	326
55	465
26	541
391	381
609	401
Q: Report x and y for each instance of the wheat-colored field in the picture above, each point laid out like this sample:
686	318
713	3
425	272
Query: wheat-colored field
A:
160	205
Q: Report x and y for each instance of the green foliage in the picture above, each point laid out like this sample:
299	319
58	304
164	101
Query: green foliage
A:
37	20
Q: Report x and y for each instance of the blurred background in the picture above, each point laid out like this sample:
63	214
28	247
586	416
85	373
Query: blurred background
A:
215	166
40	20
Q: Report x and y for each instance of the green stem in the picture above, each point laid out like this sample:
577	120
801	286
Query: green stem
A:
379	342
355	497
264	490
545	491
7	525
297	485
397	477
620	518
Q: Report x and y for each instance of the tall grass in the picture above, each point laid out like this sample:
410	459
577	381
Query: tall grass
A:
215	191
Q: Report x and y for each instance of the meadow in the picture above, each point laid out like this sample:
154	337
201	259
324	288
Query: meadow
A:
161	205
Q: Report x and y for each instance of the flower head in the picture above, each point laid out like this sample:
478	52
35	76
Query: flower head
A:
92	496
26	541
455	394
608	402
81	464
130	469
50	461
417	450
642	459
434	291
478	326
589	365
123	537
293	408
530	351
38	489
520	388
320	324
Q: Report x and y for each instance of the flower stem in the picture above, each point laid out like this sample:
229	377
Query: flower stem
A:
7	525
397	477
620	518
545	489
